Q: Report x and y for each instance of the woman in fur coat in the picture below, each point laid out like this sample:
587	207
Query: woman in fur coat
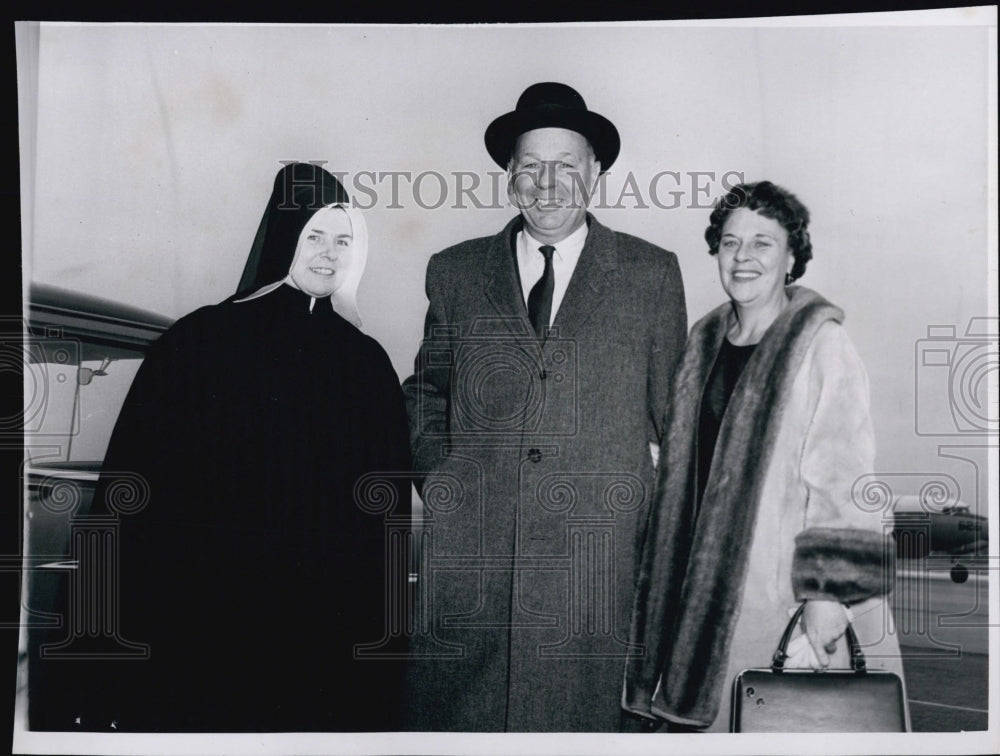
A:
768	429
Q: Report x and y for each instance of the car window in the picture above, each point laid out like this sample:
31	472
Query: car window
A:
73	393
100	402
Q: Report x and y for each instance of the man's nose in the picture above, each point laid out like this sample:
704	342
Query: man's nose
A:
546	175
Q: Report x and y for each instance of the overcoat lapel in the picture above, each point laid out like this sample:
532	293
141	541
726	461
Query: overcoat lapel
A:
501	284
502	287
592	279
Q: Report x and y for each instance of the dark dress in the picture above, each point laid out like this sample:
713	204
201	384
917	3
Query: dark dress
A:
722	380
254	570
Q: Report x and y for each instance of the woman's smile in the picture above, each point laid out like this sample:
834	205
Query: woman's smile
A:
324	248
753	259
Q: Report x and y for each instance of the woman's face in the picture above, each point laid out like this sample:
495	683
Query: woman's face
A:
322	253
753	258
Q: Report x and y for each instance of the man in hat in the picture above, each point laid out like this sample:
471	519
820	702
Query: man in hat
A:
539	386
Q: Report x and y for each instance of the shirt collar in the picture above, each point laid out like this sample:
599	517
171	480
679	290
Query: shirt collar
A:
568	248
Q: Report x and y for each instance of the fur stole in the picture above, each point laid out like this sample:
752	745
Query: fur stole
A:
691	575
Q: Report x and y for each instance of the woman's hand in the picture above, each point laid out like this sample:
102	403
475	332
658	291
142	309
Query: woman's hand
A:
824	623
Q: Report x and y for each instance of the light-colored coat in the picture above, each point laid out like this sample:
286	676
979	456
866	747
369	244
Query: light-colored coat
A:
810	538
537	481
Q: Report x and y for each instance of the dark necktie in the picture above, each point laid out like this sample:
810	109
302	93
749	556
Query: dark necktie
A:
540	298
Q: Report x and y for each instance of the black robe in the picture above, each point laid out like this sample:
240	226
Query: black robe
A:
259	562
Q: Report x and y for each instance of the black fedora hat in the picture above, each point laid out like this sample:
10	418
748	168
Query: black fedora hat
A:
550	104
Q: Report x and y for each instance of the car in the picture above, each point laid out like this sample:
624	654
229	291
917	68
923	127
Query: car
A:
81	353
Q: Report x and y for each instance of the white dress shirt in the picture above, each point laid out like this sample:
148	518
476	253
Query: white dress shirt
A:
531	264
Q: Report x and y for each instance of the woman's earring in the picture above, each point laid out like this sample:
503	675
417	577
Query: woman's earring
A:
788	279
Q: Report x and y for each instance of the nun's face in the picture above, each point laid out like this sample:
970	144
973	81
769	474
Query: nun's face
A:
322	253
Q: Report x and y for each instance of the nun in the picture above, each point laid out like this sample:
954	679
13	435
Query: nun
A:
257	568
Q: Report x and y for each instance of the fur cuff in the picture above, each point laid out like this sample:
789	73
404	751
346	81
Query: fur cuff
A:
842	564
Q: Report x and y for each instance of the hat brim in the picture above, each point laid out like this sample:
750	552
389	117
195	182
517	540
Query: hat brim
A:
599	131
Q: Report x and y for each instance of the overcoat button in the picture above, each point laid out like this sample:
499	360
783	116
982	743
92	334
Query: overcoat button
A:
535	455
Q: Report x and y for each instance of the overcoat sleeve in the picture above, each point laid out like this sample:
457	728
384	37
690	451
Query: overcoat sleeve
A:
843	552
667	345
427	389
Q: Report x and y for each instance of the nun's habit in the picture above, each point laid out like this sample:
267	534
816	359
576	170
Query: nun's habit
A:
260	562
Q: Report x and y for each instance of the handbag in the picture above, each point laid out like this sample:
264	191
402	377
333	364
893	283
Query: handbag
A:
775	699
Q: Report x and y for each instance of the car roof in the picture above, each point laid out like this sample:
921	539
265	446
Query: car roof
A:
54	312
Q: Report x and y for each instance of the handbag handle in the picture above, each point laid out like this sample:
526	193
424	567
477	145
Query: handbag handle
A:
858	663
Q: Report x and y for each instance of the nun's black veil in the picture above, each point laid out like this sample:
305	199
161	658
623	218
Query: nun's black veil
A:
300	189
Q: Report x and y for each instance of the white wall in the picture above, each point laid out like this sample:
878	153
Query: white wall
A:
157	146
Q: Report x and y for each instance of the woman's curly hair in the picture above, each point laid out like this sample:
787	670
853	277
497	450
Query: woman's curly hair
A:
773	202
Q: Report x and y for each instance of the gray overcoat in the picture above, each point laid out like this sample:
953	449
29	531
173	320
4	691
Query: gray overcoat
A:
536	477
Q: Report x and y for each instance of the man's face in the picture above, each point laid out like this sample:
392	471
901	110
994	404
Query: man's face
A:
551	177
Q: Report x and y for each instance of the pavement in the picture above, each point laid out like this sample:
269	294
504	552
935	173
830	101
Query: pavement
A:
947	693
942	628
